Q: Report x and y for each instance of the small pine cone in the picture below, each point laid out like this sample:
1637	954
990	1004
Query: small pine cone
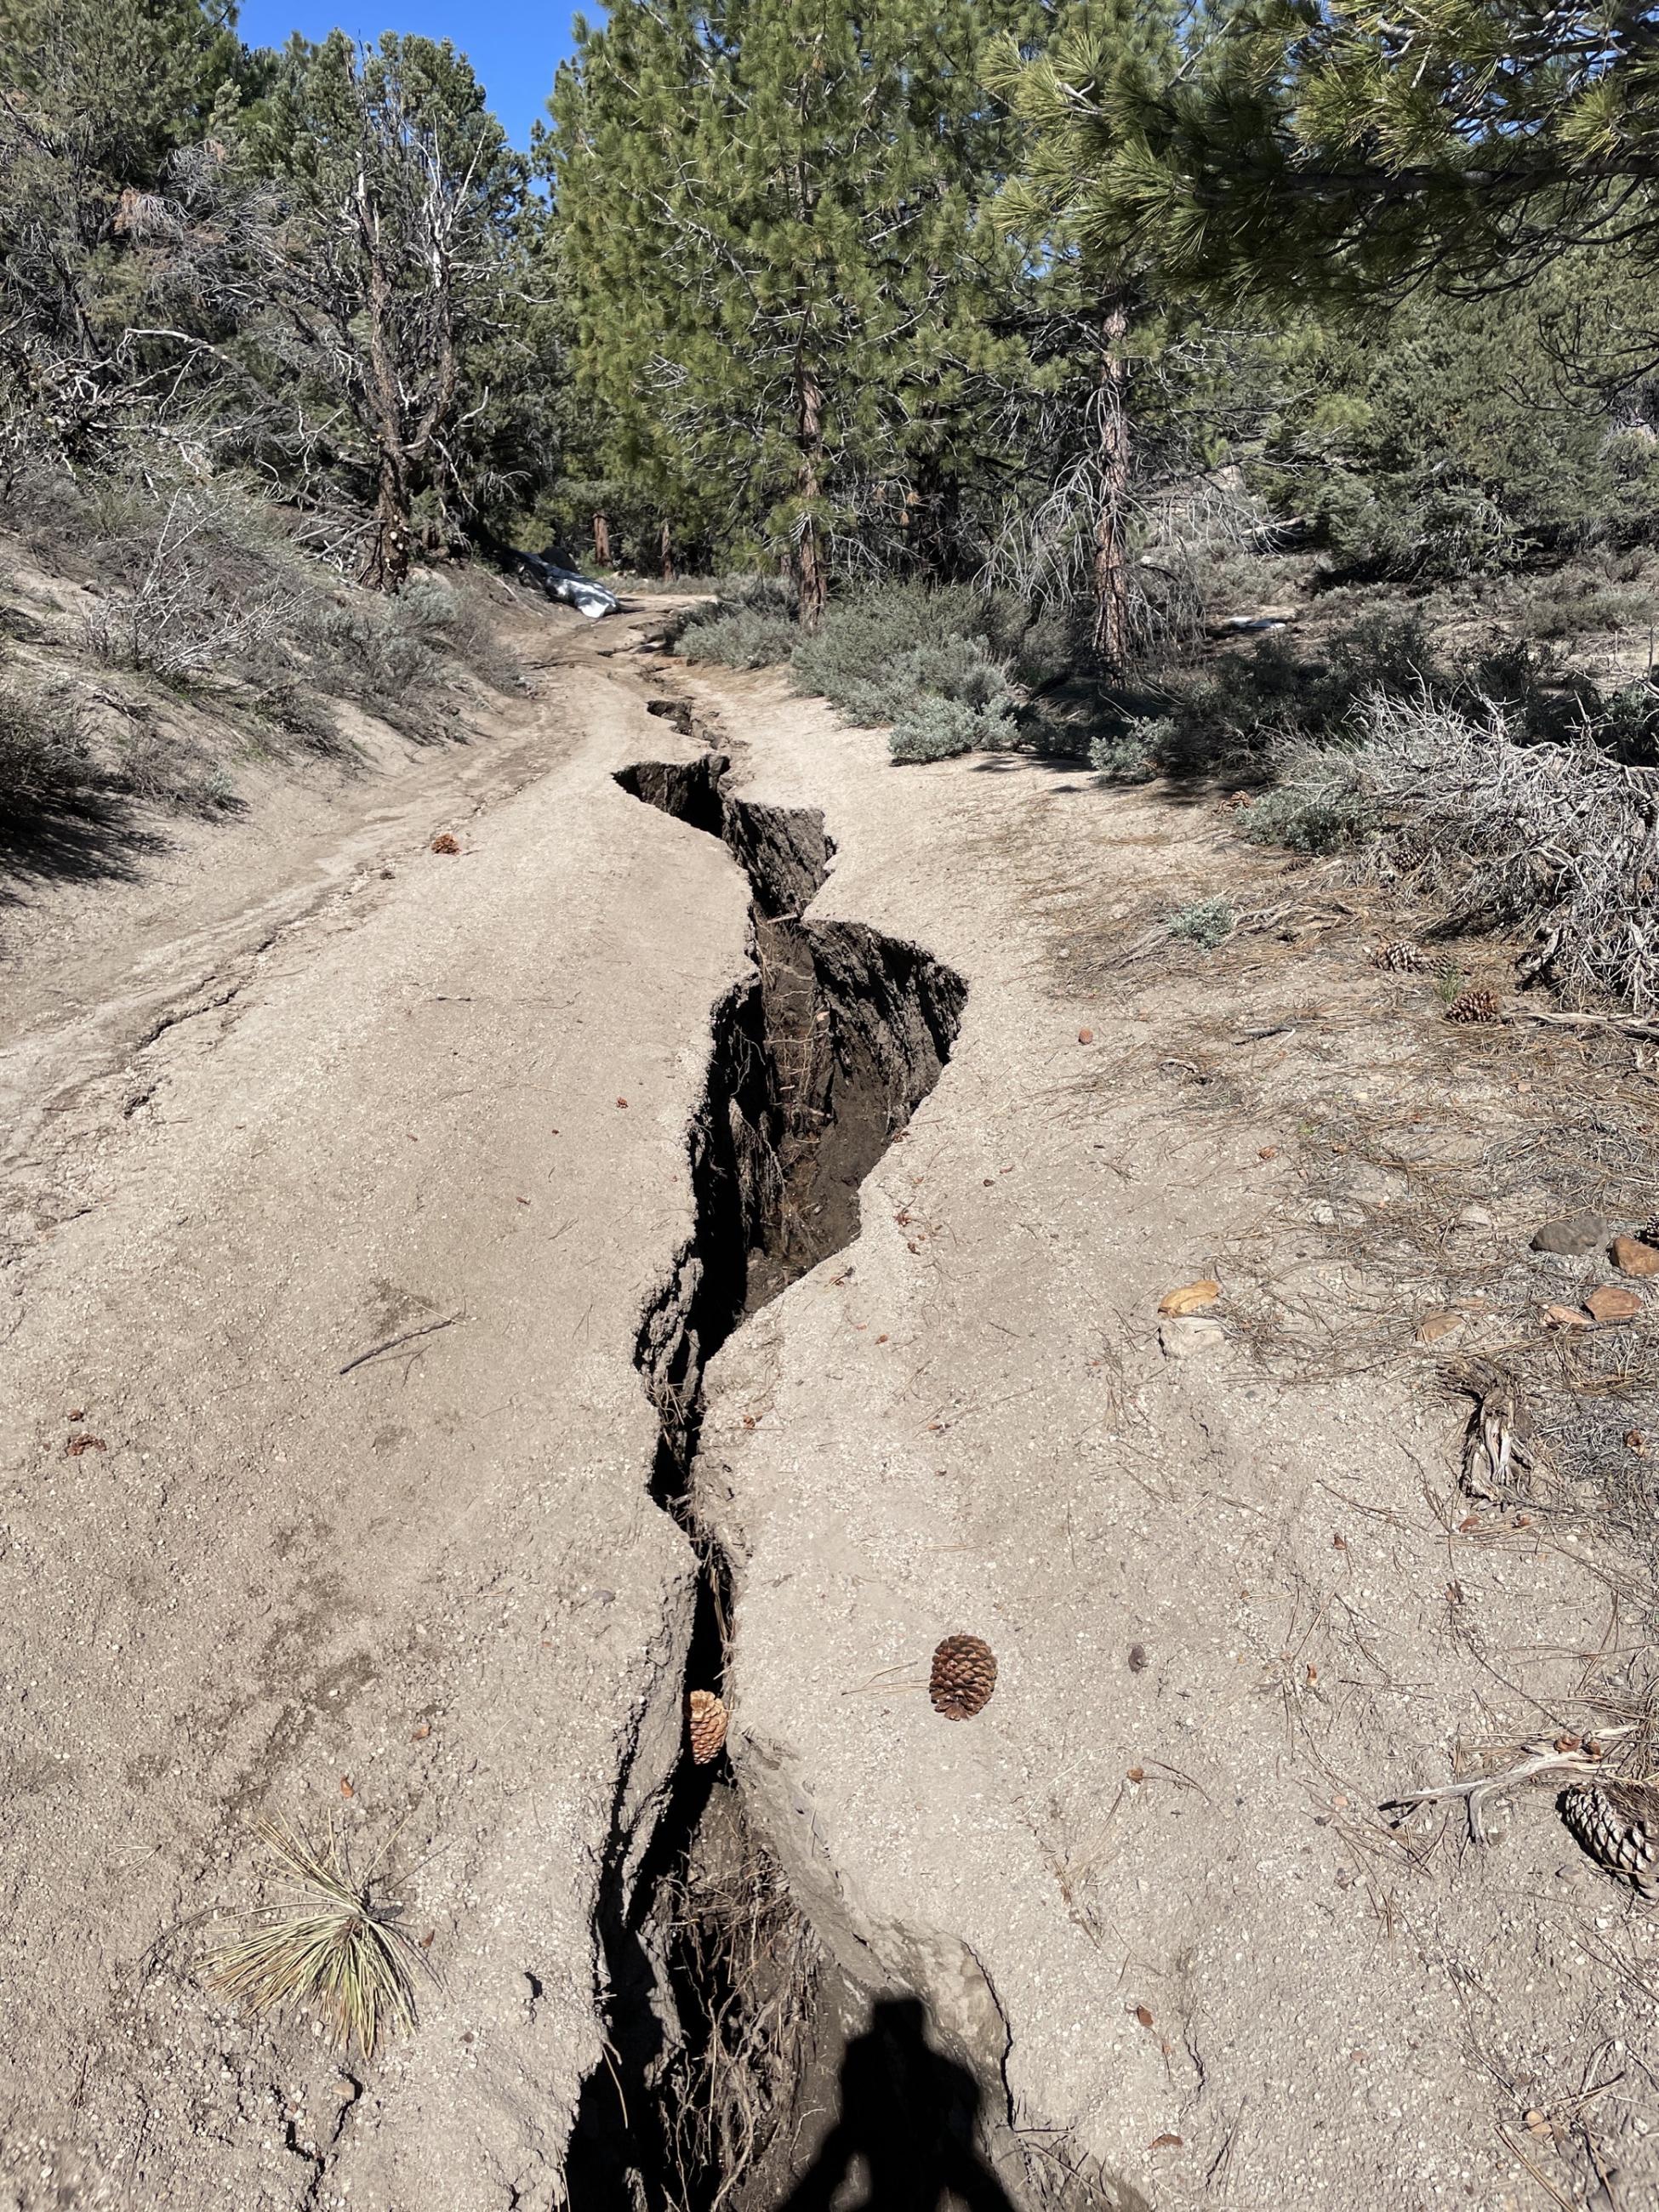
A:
964	1674
705	1724
1474	1006
446	844
1617	1823
1399	954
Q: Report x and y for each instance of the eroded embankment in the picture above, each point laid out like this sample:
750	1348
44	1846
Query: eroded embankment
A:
818	1058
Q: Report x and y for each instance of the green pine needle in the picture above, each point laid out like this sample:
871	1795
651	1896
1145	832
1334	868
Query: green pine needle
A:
344	1957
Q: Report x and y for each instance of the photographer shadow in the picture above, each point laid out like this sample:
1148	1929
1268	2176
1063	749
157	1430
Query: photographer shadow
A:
904	2137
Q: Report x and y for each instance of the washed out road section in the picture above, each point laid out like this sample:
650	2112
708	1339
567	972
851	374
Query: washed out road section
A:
364	1535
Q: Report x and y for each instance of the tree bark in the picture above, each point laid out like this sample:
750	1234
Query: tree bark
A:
1111	637
667	552
601	541
387	565
811	575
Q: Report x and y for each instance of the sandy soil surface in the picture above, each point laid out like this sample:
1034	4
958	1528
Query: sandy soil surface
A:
1237	1596
336	1213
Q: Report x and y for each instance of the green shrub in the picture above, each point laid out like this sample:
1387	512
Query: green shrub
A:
1207	922
933	728
1237	707
1573	603
1130	755
380	652
45	753
761	595
958	669
298	713
1321	803
746	637
397	656
849	661
920	660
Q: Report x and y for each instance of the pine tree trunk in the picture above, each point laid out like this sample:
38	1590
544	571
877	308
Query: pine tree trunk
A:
601	541
1111	552
667	549
387	565
810	573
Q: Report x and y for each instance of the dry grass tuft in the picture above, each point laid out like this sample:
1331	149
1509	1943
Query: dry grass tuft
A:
337	1949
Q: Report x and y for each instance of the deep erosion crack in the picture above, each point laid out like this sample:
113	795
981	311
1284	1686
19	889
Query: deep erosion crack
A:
818	1061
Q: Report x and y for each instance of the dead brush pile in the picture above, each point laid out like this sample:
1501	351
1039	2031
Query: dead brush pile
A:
1556	841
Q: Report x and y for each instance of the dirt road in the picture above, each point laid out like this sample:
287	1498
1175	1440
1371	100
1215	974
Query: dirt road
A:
861	1111
325	1491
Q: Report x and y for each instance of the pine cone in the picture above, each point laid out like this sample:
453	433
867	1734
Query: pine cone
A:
1617	1823
446	844
963	1676
705	1724
1399	954
1474	1006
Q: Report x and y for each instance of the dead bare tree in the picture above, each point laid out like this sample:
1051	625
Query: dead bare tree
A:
384	254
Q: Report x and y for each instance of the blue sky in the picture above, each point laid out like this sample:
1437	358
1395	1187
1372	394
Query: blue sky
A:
514	45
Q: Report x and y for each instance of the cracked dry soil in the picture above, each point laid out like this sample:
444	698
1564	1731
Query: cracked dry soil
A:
510	1288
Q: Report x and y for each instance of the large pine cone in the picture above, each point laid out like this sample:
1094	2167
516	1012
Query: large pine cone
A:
1399	954
1474	1006
705	1724
1618	1824
963	1676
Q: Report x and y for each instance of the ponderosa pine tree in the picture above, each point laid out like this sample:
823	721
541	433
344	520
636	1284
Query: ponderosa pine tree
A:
1092	292
788	306
1350	152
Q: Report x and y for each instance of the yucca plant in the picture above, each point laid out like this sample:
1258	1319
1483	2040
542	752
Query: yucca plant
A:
336	1948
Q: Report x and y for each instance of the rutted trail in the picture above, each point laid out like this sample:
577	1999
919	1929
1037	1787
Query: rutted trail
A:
444	1363
367	1532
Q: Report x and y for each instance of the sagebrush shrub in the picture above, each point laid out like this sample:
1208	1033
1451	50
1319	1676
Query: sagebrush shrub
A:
1322	801
746	637
1206	922
920	660
850	661
932	728
1129	756
45	753
958	669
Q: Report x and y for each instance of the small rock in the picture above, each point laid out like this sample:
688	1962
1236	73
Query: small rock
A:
1632	1257
1180	1337
1574	1235
1612	1304
1566	1317
1475	1217
1434	1326
1323	1216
